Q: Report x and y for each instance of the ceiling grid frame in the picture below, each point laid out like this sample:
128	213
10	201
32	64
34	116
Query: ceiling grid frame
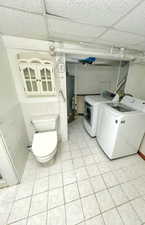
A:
135	28
138	4
44	12
45	16
113	28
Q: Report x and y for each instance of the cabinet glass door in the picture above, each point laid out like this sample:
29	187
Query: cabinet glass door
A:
46	79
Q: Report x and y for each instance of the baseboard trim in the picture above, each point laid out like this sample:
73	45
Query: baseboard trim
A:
142	155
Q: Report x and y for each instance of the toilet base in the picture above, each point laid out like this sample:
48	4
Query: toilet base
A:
48	159
51	162
48	163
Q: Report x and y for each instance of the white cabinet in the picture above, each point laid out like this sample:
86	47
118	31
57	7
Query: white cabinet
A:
38	77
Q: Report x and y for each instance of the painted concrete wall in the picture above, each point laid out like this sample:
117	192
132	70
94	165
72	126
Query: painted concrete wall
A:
31	106
135	84
11	118
91	79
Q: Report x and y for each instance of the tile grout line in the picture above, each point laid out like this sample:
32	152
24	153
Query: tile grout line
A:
80	200
84	196
97	201
13	202
89	177
47	202
64	200
27	218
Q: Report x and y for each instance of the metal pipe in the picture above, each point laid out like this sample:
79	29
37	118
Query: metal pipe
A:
62	95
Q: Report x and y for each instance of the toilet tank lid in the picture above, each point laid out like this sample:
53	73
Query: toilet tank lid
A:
40	118
44	143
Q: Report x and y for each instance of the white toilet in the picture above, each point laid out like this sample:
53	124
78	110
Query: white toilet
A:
44	146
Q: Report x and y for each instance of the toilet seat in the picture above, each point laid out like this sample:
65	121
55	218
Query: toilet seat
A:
44	143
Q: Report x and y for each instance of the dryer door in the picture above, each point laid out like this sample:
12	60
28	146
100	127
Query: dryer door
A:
88	112
107	130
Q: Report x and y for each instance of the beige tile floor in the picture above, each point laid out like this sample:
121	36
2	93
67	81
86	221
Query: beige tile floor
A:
82	187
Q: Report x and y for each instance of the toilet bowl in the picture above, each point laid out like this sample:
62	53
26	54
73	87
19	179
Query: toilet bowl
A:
44	145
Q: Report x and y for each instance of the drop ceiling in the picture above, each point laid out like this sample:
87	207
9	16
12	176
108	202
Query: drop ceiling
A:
118	23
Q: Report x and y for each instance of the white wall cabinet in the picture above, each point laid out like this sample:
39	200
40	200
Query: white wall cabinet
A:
38	77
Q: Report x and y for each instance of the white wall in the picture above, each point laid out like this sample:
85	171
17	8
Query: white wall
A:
11	119
92	79
135	84
38	105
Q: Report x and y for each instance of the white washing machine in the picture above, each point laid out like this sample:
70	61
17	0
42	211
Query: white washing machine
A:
121	127
92	105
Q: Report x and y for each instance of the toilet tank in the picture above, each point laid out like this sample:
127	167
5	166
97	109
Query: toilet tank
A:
45	122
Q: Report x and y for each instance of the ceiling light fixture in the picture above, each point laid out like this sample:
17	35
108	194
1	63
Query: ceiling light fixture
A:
52	50
122	51
111	50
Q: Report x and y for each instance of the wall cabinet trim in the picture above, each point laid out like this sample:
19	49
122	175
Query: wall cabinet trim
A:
38	77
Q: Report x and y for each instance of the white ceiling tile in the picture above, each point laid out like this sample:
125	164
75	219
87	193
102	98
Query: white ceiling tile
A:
97	12
22	24
68	29
140	46
101	42
123	39
135	21
29	5
69	37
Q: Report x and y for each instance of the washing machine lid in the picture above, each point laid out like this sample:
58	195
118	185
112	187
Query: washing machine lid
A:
95	99
44	143
120	107
134	103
